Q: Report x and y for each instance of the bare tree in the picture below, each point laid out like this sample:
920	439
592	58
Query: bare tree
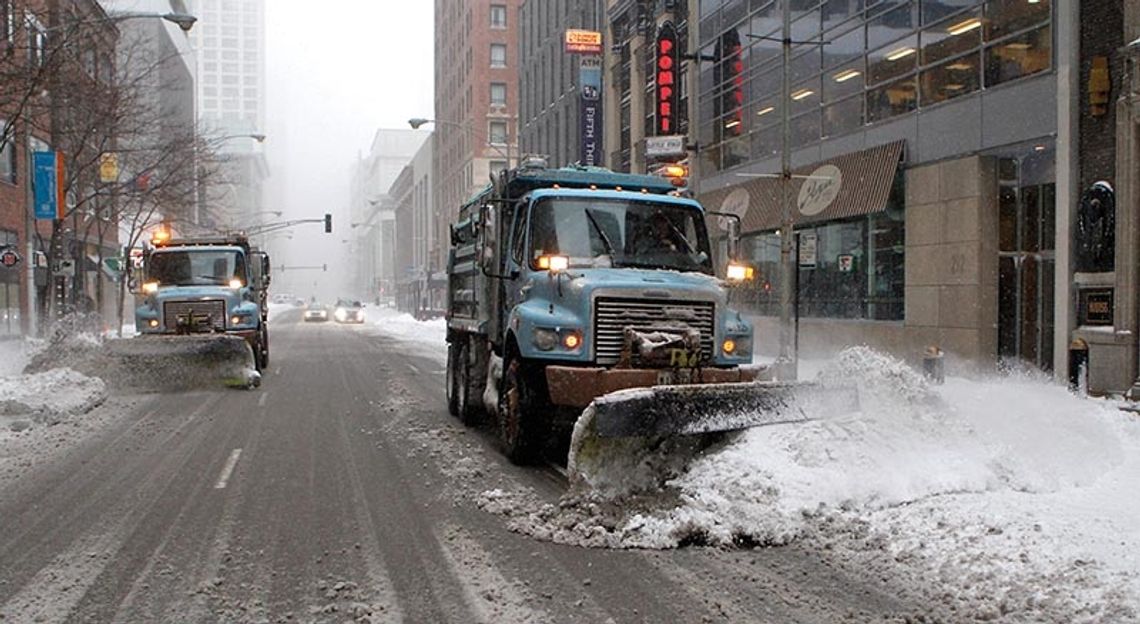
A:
96	95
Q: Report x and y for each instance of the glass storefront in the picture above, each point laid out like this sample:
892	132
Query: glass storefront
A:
849	269
878	59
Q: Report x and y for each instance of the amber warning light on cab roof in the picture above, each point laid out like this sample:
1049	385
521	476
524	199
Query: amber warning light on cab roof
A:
677	173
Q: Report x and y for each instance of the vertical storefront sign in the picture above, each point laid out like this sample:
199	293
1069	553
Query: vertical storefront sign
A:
668	85
590	119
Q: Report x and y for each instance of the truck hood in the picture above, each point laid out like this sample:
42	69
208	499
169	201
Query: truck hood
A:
642	283
181	293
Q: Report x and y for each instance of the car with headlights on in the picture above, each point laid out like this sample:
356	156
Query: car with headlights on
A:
316	312
348	311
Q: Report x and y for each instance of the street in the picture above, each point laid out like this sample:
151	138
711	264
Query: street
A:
341	491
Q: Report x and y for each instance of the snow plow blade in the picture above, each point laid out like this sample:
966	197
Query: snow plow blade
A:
172	363
635	440
709	408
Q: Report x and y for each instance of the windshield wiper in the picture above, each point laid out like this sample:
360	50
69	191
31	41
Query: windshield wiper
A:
605	239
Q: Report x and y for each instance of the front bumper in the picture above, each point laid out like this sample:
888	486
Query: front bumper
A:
575	386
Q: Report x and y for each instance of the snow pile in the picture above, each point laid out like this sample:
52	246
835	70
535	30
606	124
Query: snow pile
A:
405	328
50	396
15	354
1001	499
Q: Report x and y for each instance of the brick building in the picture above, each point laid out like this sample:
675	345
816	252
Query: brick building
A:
476	102
75	40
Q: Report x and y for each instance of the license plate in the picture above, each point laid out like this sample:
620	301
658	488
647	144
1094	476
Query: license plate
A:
675	377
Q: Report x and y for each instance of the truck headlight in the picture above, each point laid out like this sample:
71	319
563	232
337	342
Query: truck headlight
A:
737	272
545	339
737	346
150	287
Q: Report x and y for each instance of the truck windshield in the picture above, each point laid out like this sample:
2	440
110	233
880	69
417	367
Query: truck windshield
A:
195	267
620	233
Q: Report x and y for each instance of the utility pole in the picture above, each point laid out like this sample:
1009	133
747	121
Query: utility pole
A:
787	362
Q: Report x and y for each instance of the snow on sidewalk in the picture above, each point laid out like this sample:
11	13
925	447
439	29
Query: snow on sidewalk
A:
428	338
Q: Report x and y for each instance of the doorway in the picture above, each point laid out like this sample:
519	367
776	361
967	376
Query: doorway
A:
1026	259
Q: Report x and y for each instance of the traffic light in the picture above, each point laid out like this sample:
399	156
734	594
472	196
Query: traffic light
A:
328	224
325	268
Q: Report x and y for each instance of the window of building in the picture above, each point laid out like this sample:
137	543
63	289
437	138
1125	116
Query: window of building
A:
7	20
1018	56
497	133
7	153
498	16
498	55
498	94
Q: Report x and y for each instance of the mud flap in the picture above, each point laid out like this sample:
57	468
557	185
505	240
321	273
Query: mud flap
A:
168	363
695	409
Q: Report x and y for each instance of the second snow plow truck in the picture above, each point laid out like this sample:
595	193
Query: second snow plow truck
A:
202	315
580	288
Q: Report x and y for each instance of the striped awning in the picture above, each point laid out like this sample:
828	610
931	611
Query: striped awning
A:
846	186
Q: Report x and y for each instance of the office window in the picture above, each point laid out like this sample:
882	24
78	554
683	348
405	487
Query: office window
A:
951	79
1018	56
498	94
498	55
892	99
498	16
498	133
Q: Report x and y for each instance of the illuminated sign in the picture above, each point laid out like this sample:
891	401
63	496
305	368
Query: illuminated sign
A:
668	84
583	42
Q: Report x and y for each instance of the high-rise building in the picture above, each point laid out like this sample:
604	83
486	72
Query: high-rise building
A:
476	112
559	84
230	40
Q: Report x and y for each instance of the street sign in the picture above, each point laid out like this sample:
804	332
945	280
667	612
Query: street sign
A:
9	258
665	146
108	168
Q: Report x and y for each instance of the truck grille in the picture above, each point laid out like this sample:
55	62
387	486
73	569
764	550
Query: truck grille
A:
208	315
612	316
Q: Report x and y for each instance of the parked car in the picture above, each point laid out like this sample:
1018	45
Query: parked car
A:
349	311
317	312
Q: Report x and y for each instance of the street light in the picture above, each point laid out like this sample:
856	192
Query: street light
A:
184	21
416	122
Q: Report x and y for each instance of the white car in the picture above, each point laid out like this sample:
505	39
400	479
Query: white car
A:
316	312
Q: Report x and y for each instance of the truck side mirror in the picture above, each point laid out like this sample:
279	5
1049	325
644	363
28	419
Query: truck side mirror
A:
731	222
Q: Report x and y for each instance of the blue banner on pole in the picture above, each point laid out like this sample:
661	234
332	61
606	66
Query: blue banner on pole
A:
44	183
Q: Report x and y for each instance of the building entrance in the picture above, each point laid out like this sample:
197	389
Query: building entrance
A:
1026	258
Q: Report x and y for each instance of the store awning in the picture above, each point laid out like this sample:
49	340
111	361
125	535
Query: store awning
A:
846	186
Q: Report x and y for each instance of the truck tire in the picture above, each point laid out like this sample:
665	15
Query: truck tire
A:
522	402
265	347
453	378
468	405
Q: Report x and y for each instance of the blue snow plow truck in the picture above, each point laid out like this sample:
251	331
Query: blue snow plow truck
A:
201	314
580	287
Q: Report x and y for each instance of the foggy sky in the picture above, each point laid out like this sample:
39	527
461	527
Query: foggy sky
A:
338	70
